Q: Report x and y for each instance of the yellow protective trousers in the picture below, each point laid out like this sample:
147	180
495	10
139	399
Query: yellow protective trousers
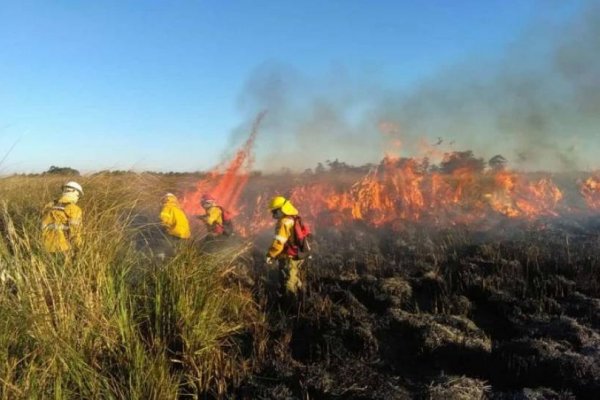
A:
289	273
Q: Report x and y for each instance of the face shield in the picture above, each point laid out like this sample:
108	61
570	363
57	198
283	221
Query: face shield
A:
167	197
70	195
277	213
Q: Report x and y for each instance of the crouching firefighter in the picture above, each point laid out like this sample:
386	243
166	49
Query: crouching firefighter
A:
61	221
290	245
217	219
173	218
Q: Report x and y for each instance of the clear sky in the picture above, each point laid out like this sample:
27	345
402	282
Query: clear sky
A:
156	84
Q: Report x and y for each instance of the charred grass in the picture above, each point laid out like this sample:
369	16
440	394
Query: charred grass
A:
444	313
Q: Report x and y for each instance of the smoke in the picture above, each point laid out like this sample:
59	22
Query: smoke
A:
308	120
538	105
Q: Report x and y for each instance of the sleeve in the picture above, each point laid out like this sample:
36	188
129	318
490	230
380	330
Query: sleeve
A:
46	219
166	217
283	231
75	219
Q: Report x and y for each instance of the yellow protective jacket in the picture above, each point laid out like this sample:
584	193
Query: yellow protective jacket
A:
214	219
284	231
61	226
174	219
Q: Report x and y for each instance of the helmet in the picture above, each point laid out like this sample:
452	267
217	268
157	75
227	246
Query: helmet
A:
277	202
74	186
168	196
207	200
286	206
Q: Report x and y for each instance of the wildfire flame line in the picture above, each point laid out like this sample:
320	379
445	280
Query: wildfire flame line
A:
460	190
403	189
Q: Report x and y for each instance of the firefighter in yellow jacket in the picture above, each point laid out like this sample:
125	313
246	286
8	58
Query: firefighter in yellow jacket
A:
217	219
283	249
62	221
173	218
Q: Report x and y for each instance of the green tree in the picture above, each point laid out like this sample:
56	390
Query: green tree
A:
54	170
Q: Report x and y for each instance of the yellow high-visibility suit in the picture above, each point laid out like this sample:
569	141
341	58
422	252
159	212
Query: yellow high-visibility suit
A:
61	226
174	219
214	220
289	265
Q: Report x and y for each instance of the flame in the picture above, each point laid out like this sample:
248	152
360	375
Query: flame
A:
226	187
590	190
458	190
516	197
405	190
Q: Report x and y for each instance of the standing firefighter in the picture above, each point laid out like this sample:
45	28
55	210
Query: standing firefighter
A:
173	218
289	244
61	221
218	222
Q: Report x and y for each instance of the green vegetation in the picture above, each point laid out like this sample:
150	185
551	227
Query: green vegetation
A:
113	322
54	170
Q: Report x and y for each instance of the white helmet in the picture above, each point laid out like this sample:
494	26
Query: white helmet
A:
168	196
73	185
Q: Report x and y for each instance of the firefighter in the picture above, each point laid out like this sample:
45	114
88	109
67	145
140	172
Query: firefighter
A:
283	249
173	218
216	218
176	227
62	221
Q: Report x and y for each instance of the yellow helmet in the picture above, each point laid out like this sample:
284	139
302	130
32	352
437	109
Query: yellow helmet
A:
286	206
277	202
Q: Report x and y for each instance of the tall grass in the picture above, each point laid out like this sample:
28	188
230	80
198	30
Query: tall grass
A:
113	321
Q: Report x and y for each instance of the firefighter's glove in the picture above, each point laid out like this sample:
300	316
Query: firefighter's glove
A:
269	260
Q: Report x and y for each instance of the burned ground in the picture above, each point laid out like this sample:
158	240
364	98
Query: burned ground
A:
509	313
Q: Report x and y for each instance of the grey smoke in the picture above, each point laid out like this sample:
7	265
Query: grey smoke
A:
538	104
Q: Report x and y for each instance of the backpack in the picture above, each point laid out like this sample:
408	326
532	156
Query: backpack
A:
55	217
301	233
55	227
227	222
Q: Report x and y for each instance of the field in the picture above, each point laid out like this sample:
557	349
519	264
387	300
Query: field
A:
428	303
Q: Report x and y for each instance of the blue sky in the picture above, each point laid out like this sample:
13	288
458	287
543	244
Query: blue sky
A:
157	84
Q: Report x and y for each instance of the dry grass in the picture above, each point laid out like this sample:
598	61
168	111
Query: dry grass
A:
113	322
457	388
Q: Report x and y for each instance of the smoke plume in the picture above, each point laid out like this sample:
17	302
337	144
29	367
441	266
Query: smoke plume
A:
538	105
